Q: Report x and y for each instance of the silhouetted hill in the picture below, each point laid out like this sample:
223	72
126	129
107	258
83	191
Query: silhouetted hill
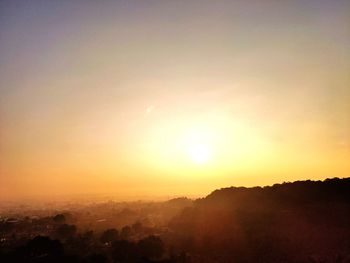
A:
299	193
180	202
304	221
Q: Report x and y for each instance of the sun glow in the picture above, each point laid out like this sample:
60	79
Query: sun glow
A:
196	146
200	153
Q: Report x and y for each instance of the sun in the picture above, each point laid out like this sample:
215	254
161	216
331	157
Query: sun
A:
200	153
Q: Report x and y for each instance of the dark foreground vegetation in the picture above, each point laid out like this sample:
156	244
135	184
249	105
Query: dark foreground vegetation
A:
304	221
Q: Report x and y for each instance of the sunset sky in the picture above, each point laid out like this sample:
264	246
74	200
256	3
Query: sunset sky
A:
166	98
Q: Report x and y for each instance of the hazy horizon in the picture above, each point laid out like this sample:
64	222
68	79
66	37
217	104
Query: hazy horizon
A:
178	98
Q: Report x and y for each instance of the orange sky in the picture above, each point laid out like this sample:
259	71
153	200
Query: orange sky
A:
166	98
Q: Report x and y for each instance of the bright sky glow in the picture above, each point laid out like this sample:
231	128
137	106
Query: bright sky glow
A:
171	97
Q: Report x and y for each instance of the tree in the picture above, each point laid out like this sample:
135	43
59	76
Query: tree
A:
151	247
66	231
39	249
109	236
125	232
59	218
124	251
137	227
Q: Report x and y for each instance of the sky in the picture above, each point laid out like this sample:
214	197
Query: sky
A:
169	98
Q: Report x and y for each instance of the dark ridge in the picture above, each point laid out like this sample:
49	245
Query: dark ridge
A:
331	190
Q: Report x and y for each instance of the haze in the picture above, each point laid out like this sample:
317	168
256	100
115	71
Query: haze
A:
168	98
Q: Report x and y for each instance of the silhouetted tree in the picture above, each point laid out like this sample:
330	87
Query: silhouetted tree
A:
137	227
124	251
125	232
109	236
66	231
151	247
59	219
39	249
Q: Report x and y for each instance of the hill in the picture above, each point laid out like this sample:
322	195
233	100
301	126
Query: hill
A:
303	221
